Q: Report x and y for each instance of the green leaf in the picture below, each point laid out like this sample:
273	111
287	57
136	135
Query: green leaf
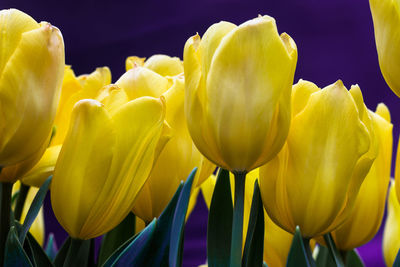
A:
324	259
117	237
219	231
159	251
178	224
298	256
353	259
333	250
38	254
396	262
14	253
34	209
254	246
62	253
130	256
51	247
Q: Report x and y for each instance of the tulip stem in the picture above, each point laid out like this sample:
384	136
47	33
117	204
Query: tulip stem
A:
23	192
6	189
237	224
333	250
74	256
306	242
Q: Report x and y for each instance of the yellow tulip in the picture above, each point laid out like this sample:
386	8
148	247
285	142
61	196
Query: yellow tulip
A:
277	241
31	67
238	84
386	17
365	220
103	164
327	154
179	156
37	228
391	241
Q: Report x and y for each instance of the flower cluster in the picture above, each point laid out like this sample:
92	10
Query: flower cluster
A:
303	171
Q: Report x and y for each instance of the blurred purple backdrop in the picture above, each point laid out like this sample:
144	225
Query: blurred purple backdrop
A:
334	38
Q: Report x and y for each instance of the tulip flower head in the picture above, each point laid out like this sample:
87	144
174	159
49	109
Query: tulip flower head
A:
31	67
237	99
104	162
314	180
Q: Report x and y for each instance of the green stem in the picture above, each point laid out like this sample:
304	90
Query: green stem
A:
74	257
6	189
333	250
237	224
23	192
306	242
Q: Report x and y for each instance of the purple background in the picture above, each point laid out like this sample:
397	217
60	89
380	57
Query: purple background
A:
334	38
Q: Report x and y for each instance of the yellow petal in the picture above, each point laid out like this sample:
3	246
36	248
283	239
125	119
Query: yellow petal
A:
164	65
140	81
134	61
112	97
83	165
43	169
29	92
365	219
386	17
391	242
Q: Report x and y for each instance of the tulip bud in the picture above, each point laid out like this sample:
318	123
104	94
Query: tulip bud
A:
386	17
179	156
315	178
103	164
31	67
365	219
391	241
238	84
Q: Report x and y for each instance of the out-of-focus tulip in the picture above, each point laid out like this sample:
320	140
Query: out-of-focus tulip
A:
277	241
386	17
37	228
161	64
103	164
319	171
238	84
180	155
365	219
391	241
31	68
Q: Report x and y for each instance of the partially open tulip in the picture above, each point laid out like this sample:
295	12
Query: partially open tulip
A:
104	162
391	241
238	84
365	219
315	178
386	17
180	156
31	68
